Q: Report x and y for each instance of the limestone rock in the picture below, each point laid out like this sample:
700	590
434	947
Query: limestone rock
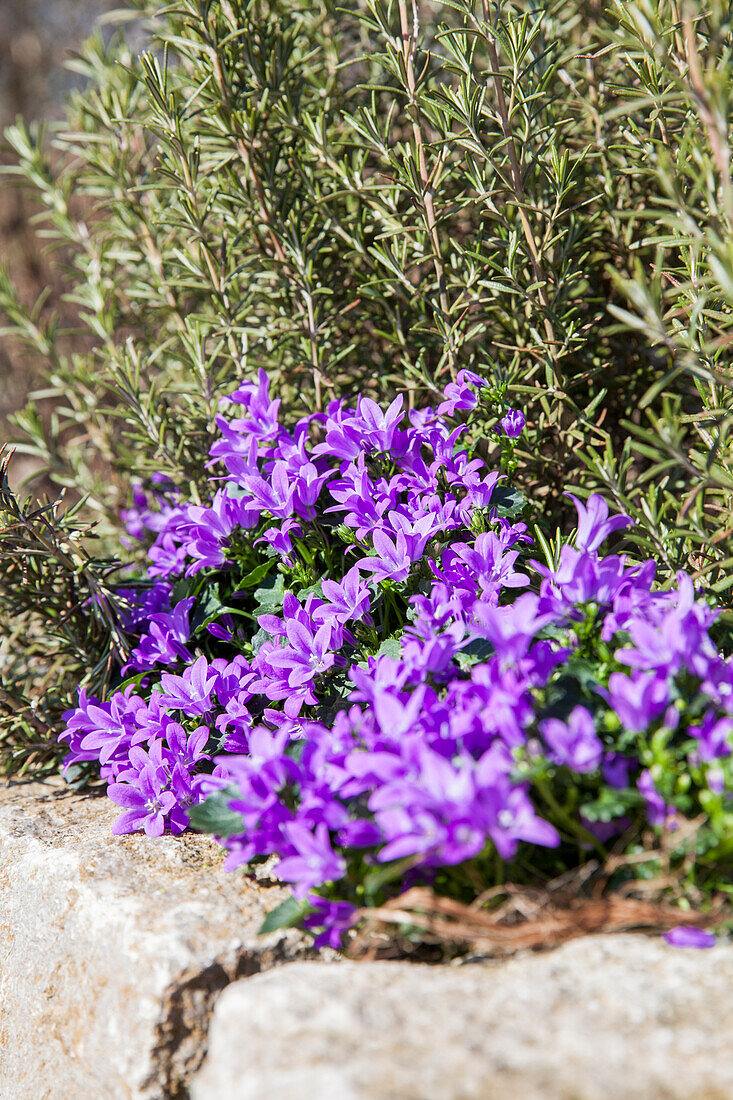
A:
112	949
605	1018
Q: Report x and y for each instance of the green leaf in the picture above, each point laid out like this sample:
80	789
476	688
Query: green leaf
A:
181	589
208	607
508	501
136	679
255	575
585	672
214	816
610	804
270	596
388	872
259	639
311	590
287	914
480	649
390	647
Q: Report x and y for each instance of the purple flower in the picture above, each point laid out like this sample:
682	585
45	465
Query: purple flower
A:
335	917
279	538
487	562
166	556
220	631
459	395
165	638
140	604
147	802
657	811
516	821
574	744
512	425
396	714
108	728
511	628
580	578
188	749
395	557
714	737
380	427
615	770
638	700
672	634
274	495
308	484
425	758
260	421
206	531
594	524
308	654
685	936
313	861
348	600
190	692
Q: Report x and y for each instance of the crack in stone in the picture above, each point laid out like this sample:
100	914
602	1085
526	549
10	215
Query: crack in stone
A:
181	1039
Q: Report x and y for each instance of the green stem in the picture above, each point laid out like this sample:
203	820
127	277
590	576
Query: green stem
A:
563	817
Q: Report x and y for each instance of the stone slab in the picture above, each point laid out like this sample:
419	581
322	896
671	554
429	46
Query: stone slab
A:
113	949
604	1018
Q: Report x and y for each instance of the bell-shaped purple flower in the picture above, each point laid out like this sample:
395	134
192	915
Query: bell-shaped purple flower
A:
594	522
574	743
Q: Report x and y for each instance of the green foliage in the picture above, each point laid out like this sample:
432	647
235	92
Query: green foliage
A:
214	815
670	160
288	914
375	195
59	626
353	199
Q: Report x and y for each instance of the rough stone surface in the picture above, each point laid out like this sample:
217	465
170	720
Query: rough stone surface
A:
113	952
605	1018
112	949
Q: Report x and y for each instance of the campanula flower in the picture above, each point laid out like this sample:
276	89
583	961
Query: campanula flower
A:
594	522
392	690
686	936
512	425
573	743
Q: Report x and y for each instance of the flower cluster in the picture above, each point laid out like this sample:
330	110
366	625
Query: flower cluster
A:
353	653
